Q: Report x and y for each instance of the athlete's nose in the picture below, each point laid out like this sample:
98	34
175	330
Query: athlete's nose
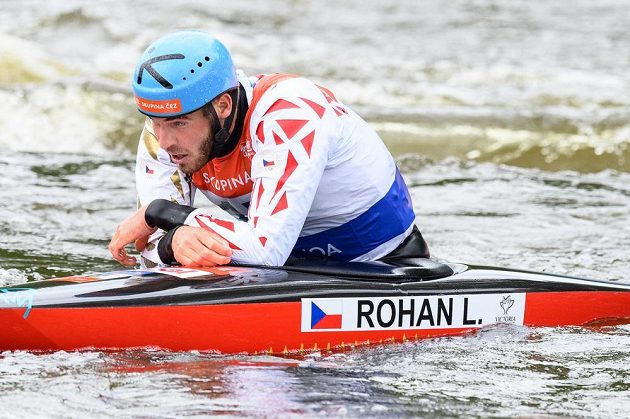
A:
165	136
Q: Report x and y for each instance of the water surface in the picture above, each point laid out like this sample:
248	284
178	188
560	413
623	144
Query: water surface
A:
509	120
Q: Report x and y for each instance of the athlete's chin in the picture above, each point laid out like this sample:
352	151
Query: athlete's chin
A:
190	167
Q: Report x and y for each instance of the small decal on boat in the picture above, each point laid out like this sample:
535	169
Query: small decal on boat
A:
17	298
181	272
79	279
408	313
326	314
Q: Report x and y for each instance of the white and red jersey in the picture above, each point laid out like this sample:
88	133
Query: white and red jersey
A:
308	175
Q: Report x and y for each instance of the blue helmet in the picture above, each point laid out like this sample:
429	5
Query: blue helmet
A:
181	72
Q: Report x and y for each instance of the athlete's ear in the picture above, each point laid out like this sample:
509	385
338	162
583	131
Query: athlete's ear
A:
223	105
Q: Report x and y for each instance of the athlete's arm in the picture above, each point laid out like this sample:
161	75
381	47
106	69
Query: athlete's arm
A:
194	246
156	178
132	229
292	139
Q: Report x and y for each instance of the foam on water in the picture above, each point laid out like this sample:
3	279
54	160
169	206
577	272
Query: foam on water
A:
501	371
456	90
509	82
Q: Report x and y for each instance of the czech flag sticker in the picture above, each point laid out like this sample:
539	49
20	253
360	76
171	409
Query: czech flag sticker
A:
322	314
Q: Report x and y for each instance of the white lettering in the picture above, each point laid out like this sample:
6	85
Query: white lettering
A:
237	180
318	250
330	250
231	183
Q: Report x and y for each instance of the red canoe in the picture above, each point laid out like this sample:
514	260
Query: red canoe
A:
298	308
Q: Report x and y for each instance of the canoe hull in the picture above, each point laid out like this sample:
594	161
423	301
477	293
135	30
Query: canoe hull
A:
279	327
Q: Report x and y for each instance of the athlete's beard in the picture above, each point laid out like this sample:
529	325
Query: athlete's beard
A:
202	156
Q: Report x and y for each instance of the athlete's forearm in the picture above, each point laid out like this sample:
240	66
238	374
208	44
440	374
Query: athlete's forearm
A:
167	216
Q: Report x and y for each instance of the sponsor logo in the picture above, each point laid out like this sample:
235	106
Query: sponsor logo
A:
159	106
506	304
329	251
422	312
246	149
231	183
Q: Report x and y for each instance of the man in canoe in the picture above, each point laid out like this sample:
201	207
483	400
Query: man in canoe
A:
300	172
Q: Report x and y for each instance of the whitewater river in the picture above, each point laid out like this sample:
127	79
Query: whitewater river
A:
509	119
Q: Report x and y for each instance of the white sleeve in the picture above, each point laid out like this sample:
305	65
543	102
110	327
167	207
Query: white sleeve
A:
291	136
158	178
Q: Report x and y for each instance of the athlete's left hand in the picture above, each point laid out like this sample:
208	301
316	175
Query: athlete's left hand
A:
133	230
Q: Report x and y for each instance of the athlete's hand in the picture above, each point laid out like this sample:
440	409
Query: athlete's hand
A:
133	230
194	246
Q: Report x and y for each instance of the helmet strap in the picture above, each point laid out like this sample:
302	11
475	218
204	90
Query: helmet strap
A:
224	142
221	144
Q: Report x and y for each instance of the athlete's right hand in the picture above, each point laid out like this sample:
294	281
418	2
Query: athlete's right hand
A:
133	229
194	246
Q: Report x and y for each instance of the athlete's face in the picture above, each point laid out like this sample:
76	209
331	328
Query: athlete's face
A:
187	139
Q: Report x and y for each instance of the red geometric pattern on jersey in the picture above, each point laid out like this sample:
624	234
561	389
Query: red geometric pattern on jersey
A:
261	189
263	240
281	104
319	109
228	225
277	138
330	97
291	126
223	175
307	142
210	229
292	164
281	205
339	110
260	133
255	221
